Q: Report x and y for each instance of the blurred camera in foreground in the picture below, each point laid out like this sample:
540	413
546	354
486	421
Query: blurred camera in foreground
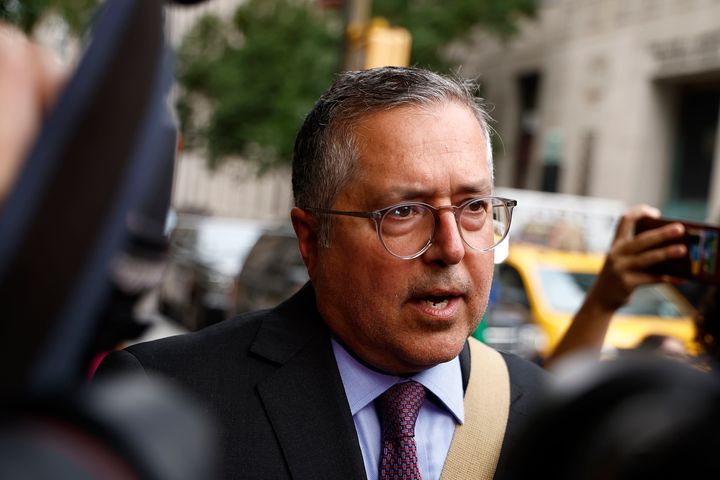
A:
633	418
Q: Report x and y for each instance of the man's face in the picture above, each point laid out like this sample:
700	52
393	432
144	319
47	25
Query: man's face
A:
407	315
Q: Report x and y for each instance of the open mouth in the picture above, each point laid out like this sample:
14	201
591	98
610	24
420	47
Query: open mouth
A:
436	302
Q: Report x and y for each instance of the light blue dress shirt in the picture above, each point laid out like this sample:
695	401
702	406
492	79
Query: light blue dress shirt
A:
436	421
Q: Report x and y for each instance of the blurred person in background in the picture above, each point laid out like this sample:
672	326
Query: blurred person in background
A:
396	223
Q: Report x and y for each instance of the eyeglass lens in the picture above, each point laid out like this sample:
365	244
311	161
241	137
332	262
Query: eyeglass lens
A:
407	229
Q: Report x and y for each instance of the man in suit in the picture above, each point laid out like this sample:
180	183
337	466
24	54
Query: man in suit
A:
396	223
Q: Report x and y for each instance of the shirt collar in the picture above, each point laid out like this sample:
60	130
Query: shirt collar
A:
363	385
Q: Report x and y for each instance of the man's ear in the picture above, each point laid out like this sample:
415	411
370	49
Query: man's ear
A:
306	230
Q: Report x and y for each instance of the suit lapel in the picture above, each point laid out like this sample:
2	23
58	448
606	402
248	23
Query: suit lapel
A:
305	399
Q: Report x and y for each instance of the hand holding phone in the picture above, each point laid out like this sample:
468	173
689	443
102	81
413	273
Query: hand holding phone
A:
701	240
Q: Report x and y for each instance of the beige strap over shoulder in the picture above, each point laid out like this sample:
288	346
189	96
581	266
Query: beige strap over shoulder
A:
476	444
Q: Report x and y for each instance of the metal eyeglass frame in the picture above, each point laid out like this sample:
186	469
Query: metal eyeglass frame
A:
378	215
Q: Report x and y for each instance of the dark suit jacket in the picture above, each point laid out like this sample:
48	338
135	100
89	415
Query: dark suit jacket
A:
271	379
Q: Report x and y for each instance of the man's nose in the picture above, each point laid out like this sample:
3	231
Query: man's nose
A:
448	246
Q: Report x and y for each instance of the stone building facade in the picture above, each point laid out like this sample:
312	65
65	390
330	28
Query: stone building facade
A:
608	98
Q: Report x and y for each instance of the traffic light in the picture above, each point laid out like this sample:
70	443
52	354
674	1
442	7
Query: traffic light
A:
386	45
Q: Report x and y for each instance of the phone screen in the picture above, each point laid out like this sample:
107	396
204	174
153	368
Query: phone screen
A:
701	240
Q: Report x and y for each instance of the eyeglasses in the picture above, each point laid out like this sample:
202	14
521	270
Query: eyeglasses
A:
407	230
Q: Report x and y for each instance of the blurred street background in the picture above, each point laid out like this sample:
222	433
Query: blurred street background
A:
598	105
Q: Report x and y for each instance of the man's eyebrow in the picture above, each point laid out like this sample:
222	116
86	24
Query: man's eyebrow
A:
399	194
483	188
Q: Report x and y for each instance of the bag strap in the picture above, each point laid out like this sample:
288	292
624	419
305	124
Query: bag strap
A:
476	444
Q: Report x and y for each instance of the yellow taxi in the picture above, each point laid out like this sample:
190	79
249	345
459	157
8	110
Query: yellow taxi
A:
536	291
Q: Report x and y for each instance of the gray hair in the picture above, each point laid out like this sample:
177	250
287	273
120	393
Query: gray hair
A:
325	156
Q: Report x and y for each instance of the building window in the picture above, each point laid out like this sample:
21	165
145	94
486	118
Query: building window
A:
694	151
528	87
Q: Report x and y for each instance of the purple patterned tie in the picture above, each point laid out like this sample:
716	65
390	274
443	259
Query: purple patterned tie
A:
399	407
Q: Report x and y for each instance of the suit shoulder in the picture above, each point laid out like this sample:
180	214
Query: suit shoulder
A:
527	382
208	345
525	373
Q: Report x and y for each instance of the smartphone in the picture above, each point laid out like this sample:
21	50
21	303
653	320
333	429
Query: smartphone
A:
701	239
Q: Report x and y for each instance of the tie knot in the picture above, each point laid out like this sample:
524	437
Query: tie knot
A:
399	408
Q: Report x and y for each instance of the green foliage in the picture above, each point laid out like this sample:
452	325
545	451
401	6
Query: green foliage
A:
435	23
261	73
26	14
